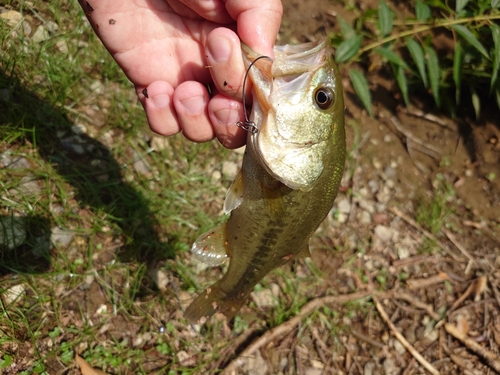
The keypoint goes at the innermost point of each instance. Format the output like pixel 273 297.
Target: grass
pixel 95 295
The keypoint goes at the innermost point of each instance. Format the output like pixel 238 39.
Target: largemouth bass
pixel 291 171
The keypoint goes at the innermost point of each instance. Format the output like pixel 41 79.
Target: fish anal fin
pixel 234 195
pixel 211 301
pixel 211 247
pixel 304 252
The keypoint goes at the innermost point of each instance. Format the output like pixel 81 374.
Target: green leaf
pixel 458 61
pixel 385 18
pixel 346 29
pixel 470 38
pixel 417 53
pixel 495 3
pixel 360 85
pixel 347 49
pixel 392 57
pixel 402 82
pixel 422 11
pixel 434 73
pixel 495 32
pixel 476 102
pixel 460 4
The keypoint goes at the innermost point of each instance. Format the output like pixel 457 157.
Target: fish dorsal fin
pixel 273 198
pixel 234 195
pixel 211 247
pixel 304 252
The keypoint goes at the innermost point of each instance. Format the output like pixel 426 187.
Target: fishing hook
pixel 248 125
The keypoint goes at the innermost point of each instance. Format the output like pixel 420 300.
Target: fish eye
pixel 324 97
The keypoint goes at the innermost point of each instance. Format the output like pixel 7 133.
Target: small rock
pixel 140 164
pixel 41 34
pixel 367 206
pixel 402 252
pixel 160 278
pixel 12 231
pixel 254 365
pixel 185 359
pixel 216 176
pixel 14 19
pixel 159 143
pixel 61 237
pixel 389 367
pixel 383 233
pixel 266 297
pixel 365 217
pixel 387 138
pixel 373 185
pixel 240 151
pixel 344 206
pixel 14 294
pixel 79 129
pixel 229 169
pixel 400 349
pixel 369 368
pixel 62 46
pixel 97 87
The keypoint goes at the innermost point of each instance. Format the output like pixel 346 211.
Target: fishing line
pixel 248 125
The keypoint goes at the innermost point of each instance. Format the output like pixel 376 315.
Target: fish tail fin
pixel 211 301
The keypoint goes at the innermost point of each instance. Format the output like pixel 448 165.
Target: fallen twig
pixel 462 249
pixel 418 304
pixel 426 282
pixel 402 340
pixel 491 359
pixel 288 325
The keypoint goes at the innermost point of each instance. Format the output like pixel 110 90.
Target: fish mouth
pixel 297 163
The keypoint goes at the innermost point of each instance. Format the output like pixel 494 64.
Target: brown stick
pixel 402 340
pixel 491 359
pixel 288 325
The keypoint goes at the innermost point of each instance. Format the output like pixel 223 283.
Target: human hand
pixel 175 48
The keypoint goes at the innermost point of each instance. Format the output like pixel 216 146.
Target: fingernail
pixel 220 49
pixel 194 105
pixel 227 116
pixel 161 100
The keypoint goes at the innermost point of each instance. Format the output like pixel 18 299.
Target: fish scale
pixel 289 177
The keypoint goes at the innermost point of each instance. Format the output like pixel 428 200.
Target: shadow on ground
pixel 89 167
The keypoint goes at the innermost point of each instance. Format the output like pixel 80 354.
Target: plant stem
pixel 437 23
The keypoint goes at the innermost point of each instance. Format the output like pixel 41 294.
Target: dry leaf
pixel 462 325
pixel 86 368
pixel 479 287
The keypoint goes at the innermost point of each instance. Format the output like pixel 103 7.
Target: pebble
pixel 14 294
pixel 344 206
pixel 14 18
pixel 229 169
pixel 369 368
pixel 266 297
pixel 12 231
pixel 79 129
pixel 389 368
pixel 61 237
pixel 367 206
pixel 62 46
pixel 140 164
pixel 313 371
pixel 373 185
pixel 254 365
pixel 160 278
pixel 402 252
pixel 383 233
pixel 41 34
pixel 365 217
pixel 400 349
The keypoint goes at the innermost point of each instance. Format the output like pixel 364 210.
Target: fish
pixel 289 178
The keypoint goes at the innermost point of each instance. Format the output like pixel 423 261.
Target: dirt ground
pixel 382 273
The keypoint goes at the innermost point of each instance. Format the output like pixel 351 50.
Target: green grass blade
pixel 422 11
pixel 385 17
pixel 360 85
pixel 393 57
pixel 460 4
pixel 495 3
pixel 347 49
pixel 458 60
pixel 476 101
pixel 417 53
pixel 434 73
pixel 402 82
pixel 471 39
pixel 495 32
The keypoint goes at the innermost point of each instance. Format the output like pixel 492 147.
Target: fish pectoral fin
pixel 234 195
pixel 211 247
pixel 274 202
pixel 304 252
